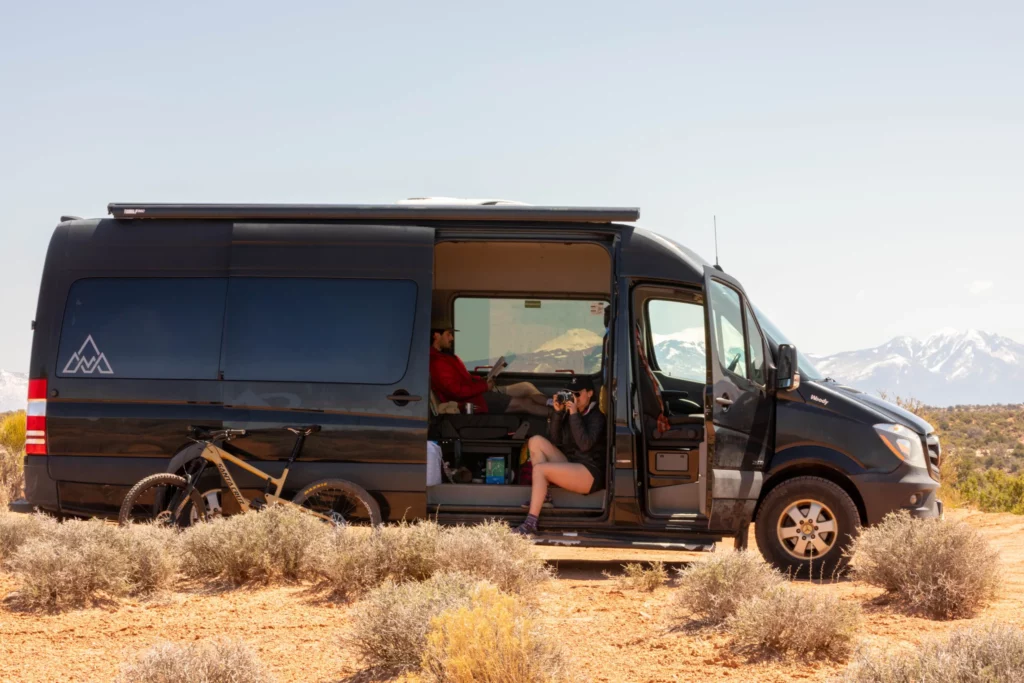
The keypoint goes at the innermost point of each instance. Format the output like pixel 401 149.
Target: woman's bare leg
pixel 542 450
pixel 570 476
pixel 528 406
pixel 522 390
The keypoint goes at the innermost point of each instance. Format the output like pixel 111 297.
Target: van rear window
pixel 534 335
pixel 318 330
pixel 142 328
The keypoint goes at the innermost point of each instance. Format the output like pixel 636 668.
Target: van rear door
pixel 738 401
pixel 330 325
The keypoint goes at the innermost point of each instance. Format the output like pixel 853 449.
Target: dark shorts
pixel 496 403
pixel 596 472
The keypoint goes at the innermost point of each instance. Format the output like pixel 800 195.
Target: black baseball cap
pixel 581 382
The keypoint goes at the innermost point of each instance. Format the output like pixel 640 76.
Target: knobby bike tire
pixel 350 503
pixel 181 517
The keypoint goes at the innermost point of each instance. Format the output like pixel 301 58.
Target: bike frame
pixel 219 457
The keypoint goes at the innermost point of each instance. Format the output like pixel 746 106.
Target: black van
pixel 258 316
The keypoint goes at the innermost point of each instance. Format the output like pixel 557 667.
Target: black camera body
pixel 564 396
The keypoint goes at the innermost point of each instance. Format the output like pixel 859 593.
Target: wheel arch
pixel 813 469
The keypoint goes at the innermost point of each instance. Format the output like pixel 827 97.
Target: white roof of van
pixel 460 201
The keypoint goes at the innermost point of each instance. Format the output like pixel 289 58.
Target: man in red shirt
pixel 451 381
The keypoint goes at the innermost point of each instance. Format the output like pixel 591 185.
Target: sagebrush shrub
pixel 220 660
pixel 493 639
pixel 938 568
pixel 638 577
pixel 16 529
pixel 491 551
pixel 354 560
pixel 12 456
pixel 78 563
pixel 712 590
pixel 389 626
pixel 790 621
pixel 977 654
pixel 255 547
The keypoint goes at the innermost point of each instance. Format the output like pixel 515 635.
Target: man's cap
pixel 442 323
pixel 581 382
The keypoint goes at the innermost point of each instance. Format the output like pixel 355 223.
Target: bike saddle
pixel 305 430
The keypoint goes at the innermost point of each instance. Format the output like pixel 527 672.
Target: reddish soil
pixel 612 634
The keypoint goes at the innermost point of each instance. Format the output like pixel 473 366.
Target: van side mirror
pixel 787 374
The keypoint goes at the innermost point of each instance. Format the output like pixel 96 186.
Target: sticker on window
pixel 597 308
pixel 532 303
pixel 88 359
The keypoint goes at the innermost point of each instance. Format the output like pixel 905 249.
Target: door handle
pixel 402 398
pixel 724 401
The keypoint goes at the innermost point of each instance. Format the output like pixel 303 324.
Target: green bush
pixel 12 431
pixel 977 654
pixel 994 491
pixel 12 456
pixel 939 568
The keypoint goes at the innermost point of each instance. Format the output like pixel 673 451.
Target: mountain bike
pixel 175 500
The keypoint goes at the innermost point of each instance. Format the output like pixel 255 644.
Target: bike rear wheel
pixel 163 499
pixel 341 501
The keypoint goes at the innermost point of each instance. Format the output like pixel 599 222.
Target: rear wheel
pixel 163 499
pixel 804 525
pixel 341 501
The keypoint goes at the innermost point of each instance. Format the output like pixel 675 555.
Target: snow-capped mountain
pixel 13 390
pixel 947 368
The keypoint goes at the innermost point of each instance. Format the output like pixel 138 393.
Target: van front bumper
pixel 906 488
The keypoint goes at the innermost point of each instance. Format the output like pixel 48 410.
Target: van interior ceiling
pixel 506 284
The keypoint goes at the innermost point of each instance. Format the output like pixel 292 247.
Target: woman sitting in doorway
pixel 574 455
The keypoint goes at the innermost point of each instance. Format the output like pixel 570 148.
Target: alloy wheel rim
pixel 807 529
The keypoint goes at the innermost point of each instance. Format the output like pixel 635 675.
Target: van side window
pixel 534 335
pixel 728 322
pixel 755 344
pixel 677 337
pixel 142 328
pixel 347 331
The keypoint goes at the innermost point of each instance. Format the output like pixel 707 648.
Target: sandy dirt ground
pixel 612 634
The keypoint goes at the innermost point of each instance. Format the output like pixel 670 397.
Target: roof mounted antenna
pixel 715 219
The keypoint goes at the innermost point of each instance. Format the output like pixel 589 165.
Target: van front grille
pixel 934 455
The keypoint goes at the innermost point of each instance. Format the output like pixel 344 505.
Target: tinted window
pixel 728 322
pixel 143 328
pixel 534 335
pixel 318 330
pixel 755 346
pixel 677 334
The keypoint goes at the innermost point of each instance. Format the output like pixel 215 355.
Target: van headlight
pixel 904 442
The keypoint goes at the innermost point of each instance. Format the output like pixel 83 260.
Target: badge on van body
pixel 88 359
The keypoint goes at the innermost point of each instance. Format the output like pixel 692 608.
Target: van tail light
pixel 35 418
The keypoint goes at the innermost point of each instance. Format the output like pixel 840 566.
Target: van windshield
pixel 777 338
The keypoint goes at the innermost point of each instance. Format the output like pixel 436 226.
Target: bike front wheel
pixel 164 499
pixel 342 502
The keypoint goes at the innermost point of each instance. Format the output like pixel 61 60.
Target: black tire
pixel 346 502
pixel 152 500
pixel 797 541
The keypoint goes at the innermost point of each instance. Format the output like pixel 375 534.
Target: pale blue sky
pixel 864 160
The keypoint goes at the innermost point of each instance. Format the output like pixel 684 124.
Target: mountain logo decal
pixel 88 360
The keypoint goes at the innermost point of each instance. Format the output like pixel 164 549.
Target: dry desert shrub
pixel 220 660
pixel 82 562
pixel 790 621
pixel 938 568
pixel 389 626
pixel 490 551
pixel 354 560
pixel 976 654
pixel 493 639
pixel 636 576
pixel 714 589
pixel 255 547
pixel 16 529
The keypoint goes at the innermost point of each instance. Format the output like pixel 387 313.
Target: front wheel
pixel 340 501
pixel 804 525
pixel 163 499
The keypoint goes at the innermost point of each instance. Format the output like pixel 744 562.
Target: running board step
pixel 584 540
